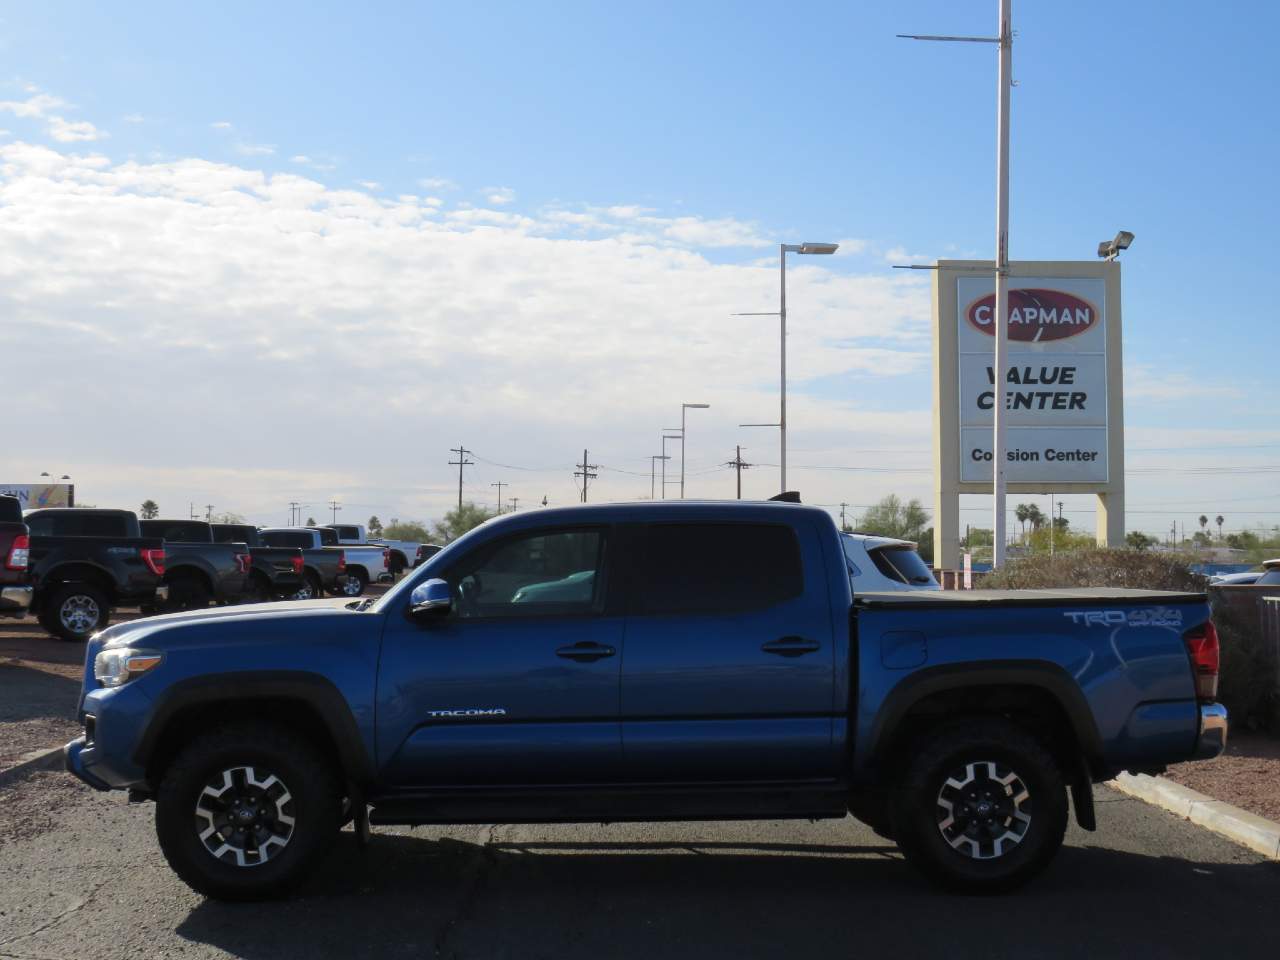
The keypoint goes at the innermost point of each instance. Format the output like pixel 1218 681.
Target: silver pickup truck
pixel 365 564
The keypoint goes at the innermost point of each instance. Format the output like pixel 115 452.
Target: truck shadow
pixel 407 896
pixel 27 693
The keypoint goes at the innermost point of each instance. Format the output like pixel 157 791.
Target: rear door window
pixel 718 568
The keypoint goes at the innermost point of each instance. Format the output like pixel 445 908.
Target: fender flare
pixel 312 689
pixel 1039 674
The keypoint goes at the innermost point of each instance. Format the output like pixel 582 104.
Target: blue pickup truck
pixel 655 661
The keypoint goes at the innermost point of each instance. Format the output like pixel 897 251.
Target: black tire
pixel 301 773
pixel 187 592
pixel 356 584
pixel 256 589
pixel 75 611
pixel 988 846
pixel 311 585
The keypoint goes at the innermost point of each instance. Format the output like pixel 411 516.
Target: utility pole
pixel 999 486
pixel 515 503
pixel 461 462
pixel 208 513
pixel 843 525
pixel 739 465
pixel 293 512
pixel 191 509
pixel 499 484
pixel 585 472
pixel 333 505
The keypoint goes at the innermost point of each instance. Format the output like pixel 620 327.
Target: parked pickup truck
pixel 15 546
pixel 401 554
pixel 196 567
pixel 364 565
pixel 84 562
pixel 655 661
pixel 324 569
pixel 276 573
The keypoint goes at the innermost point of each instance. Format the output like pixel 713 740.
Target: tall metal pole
pixel 683 410
pixel 1001 366
pixel 782 315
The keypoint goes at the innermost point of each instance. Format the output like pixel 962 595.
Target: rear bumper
pixel 1212 738
pixel 15 601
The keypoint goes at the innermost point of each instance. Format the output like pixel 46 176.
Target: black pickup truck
pixel 15 544
pixel 197 568
pixel 276 573
pixel 324 569
pixel 85 562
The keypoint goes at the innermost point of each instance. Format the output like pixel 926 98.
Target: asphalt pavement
pixel 81 876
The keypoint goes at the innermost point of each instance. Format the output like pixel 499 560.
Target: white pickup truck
pixel 366 563
pixel 404 555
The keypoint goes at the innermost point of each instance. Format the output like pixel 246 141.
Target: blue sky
pixel 751 122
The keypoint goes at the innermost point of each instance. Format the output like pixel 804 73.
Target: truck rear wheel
pixel 355 583
pixel 75 611
pixel 245 811
pixel 981 807
pixel 187 592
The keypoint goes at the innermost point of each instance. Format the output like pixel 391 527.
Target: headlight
pixel 114 668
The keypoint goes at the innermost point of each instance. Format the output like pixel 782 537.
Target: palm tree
pixel 1204 521
pixel 1022 513
pixel 1219 521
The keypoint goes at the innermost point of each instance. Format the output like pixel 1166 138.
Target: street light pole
pixel 664 458
pixel 683 408
pixel 653 462
pixel 783 250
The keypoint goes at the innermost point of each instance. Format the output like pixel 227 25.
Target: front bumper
pixel 1212 738
pixel 15 601
pixel 73 755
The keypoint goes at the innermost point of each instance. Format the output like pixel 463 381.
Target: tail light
pixel 297 564
pixel 19 553
pixel 1202 645
pixel 418 556
pixel 386 557
pixel 154 559
pixel 244 561
pixel 342 562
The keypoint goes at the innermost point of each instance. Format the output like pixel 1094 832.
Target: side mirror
pixel 431 598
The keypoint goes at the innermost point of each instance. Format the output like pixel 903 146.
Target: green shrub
pixel 1247 683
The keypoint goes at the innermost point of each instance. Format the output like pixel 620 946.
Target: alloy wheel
pixel 79 613
pixel 983 810
pixel 245 816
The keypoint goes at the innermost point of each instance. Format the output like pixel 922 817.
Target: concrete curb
pixel 48 758
pixel 1247 829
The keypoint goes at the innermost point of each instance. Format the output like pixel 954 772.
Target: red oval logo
pixel 1036 315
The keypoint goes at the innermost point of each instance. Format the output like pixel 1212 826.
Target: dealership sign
pixel 1055 381
pixel 33 495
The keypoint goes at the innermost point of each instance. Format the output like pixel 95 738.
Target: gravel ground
pixel 1246 775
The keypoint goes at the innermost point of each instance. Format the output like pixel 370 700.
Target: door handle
pixel 790 646
pixel 586 651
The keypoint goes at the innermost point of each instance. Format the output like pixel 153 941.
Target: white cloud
pixel 134 118
pixel 40 106
pixel 498 195
pixel 300 158
pixel 370 184
pixel 437 183
pixel 513 332
pixel 221 124
pixel 255 149
pixel 73 131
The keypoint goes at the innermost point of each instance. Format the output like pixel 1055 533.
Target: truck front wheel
pixel 245 811
pixel 981 807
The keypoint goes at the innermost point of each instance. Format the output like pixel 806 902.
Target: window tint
pixel 177 531
pixel 287 538
pixel 233 533
pixel 10 510
pixel 327 537
pixel 76 524
pixel 535 574
pixel 903 565
pixel 718 568
pixel 348 533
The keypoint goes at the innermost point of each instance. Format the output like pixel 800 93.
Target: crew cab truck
pixel 85 562
pixel 275 573
pixel 323 569
pixel 197 568
pixel 655 661
pixel 15 548
pixel 363 565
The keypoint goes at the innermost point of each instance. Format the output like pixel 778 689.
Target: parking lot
pixel 81 875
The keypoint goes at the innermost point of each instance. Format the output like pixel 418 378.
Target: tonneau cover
pixel 1072 596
